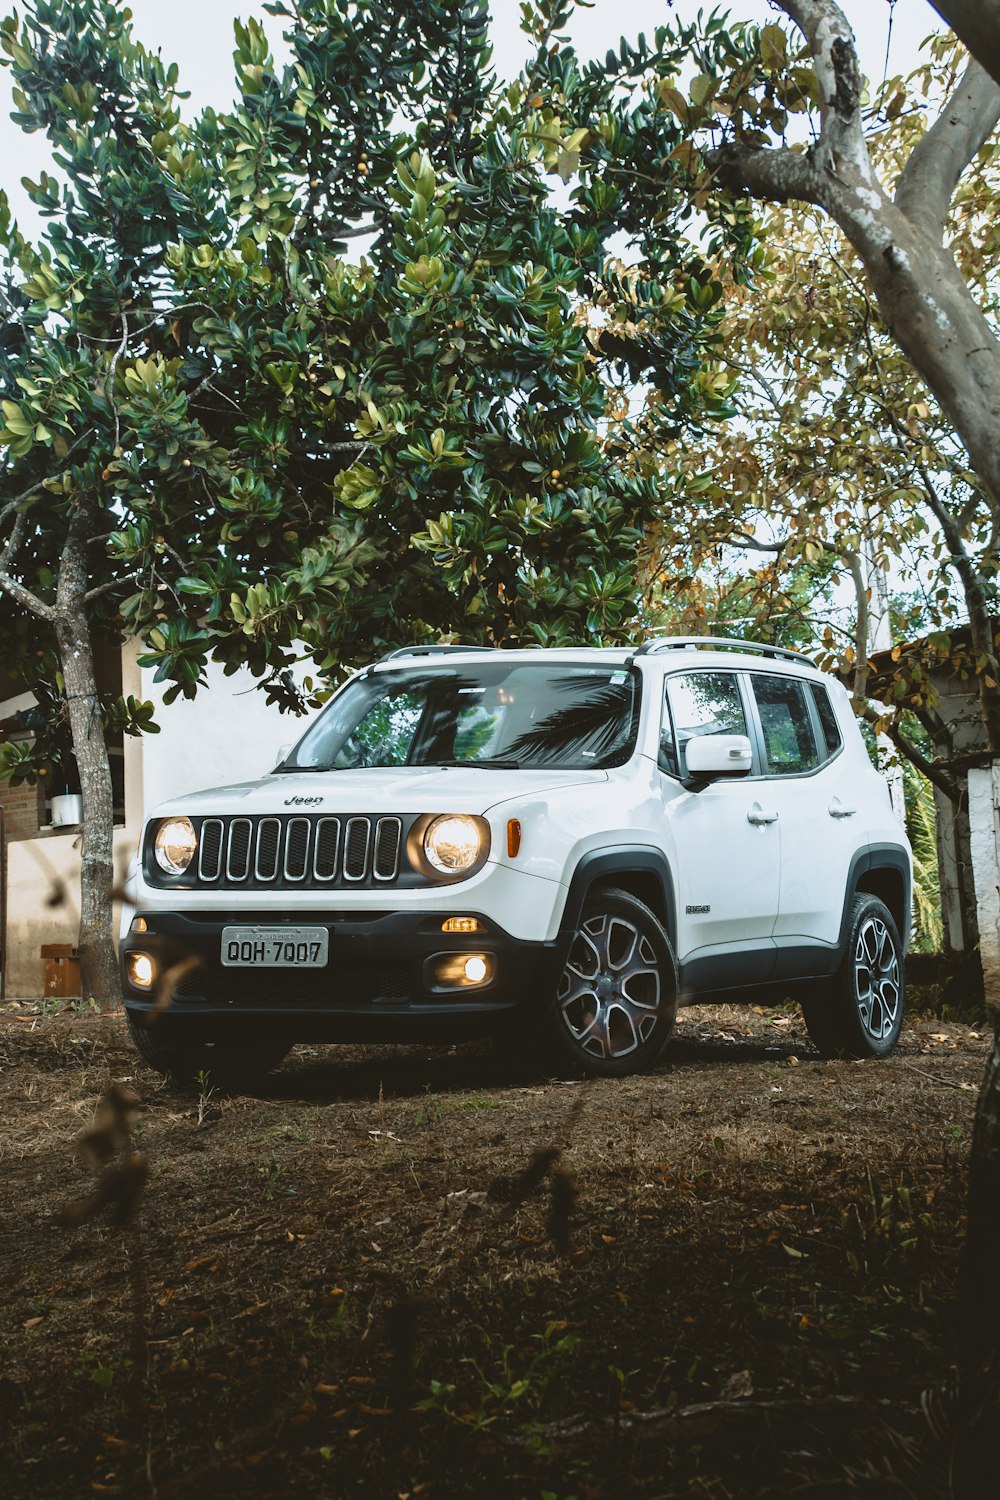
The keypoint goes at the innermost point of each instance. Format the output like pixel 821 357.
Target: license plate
pixel 275 947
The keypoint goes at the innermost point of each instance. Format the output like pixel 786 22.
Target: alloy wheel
pixel 877 985
pixel 609 993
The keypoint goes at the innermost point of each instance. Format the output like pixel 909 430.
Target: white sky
pixel 198 36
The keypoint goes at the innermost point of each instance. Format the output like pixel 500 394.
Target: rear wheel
pixel 616 999
pixel 198 1063
pixel 860 1013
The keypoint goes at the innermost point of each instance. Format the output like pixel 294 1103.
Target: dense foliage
pixel 228 436
pixel 275 440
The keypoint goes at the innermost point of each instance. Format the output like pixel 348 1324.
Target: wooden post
pixel 973 1457
pixel 984 836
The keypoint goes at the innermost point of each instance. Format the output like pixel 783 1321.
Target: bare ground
pixel 429 1272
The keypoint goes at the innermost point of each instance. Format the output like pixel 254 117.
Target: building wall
pixel 226 734
pixel 20 810
pixel 38 870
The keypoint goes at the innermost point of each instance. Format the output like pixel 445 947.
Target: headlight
pixel 175 845
pixel 453 844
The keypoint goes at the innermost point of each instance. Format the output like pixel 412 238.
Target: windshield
pixel 501 714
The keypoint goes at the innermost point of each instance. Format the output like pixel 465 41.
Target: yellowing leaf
pixel 773 48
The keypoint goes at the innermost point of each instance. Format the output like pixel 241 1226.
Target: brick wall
pixel 21 808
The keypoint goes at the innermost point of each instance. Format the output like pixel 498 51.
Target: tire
pixel 860 1013
pixel 199 1063
pixel 616 999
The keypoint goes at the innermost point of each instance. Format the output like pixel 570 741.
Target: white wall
pixel 36 868
pixel 227 733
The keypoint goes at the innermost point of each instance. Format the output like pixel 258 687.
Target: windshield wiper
pixel 284 770
pixel 497 764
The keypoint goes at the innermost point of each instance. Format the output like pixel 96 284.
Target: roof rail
pixel 427 651
pixel 721 643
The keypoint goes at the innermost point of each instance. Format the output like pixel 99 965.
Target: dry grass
pixel 413 1271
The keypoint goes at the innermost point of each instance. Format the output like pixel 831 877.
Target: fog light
pixel 140 970
pixel 459 971
pixel 462 924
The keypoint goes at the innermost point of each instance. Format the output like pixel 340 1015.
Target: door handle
pixel 838 809
pixel 759 816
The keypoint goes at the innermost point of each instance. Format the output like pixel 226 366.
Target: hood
pixel 391 789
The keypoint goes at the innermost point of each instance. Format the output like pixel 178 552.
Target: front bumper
pixel 378 985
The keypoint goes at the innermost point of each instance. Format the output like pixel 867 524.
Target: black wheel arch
pixel 881 870
pixel 638 869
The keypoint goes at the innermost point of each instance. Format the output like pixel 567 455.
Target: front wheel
pixel 860 1013
pixel 616 999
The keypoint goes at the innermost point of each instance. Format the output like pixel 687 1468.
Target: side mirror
pixel 710 757
pixel 282 756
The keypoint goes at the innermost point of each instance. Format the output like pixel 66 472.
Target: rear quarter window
pixel 832 737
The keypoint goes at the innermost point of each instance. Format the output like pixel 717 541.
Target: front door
pixel 725 841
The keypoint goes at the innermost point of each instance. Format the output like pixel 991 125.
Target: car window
pixel 384 735
pixel 697 703
pixel 565 715
pixel 827 719
pixel 789 741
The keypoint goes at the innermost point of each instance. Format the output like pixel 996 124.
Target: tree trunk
pixel 931 314
pixel 98 962
pixel 974 1462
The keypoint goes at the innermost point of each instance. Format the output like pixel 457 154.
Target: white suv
pixel 559 844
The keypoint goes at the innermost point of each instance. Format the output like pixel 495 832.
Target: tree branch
pixel 66 582
pixel 13 543
pixel 838 161
pixel 744 539
pixel 354 231
pixel 778 172
pixel 122 347
pixel 841 146
pixel 106 588
pixel 977 24
pixel 934 773
pixel 11 586
pixel 26 598
pixel 11 505
pixel 939 158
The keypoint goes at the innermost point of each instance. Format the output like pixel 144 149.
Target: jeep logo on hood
pixel 303 801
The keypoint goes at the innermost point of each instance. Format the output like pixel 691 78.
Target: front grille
pixel 298 851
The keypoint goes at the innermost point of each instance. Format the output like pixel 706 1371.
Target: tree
pixel 225 436
pixel 838 460
pixel 737 114
pixel 977 23
pixel 893 213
